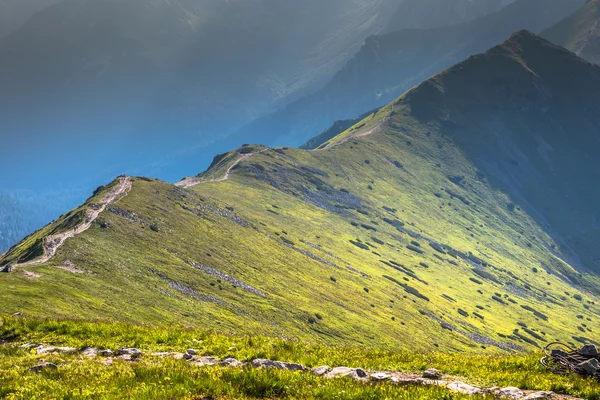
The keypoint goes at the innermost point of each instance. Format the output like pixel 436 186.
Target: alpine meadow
pixel 435 246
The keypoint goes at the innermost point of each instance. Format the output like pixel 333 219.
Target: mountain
pixel 460 216
pixel 579 32
pixel 388 65
pixel 429 14
pixel 14 13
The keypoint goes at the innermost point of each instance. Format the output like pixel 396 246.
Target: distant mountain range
pixel 388 65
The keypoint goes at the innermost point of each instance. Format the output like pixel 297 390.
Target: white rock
pixel 262 363
pixel 206 361
pixel 432 373
pixel 320 371
pixel 539 396
pixel 130 351
pixel 231 362
pixel 511 393
pixel 355 373
pixel 460 387
pixel 90 352
pixel 380 377
pixel 52 349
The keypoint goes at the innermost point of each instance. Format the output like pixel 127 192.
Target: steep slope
pixel 388 65
pixel 448 219
pixel 429 14
pixel 579 32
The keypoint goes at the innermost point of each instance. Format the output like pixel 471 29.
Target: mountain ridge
pixel 394 234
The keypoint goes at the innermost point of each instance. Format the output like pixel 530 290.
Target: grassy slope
pixel 263 227
pixel 166 379
pixel 580 32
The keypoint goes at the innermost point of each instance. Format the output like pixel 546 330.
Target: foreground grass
pixel 168 379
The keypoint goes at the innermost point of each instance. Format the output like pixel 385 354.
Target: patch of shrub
pixel 360 245
pixel 415 249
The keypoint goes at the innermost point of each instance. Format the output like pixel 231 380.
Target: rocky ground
pixel 430 377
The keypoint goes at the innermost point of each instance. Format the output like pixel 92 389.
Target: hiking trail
pixel 53 242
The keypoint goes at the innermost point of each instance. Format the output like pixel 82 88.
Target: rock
pixel 320 371
pixel 29 346
pixel 460 387
pixel 589 350
pixel 90 352
pixel 105 353
pixel 52 349
pixel 186 356
pixel 380 377
pixel 405 381
pixel 206 361
pixel 126 357
pixel 132 352
pixel 432 373
pixel 192 352
pixel 261 363
pixel 539 396
pixel 354 373
pixel 559 353
pixel 43 366
pixel 590 366
pixel 18 313
pixel 108 362
pixel 231 362
pixel 511 393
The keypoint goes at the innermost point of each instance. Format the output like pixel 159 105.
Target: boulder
pixel 105 353
pixel 231 362
pixel 460 387
pixel 262 363
pixel 53 349
pixel 43 366
pixel 539 396
pixel 90 352
pixel 192 352
pixel 590 366
pixel 511 393
pixel 130 351
pixel 320 371
pixel 380 377
pixel 355 373
pixel 206 361
pixel 432 373
pixel 589 350
pixel 559 353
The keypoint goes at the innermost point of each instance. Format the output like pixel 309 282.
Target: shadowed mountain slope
pixel 458 217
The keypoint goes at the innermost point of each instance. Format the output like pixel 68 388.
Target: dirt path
pixel 584 43
pixel 53 242
pixel 362 134
pixel 193 181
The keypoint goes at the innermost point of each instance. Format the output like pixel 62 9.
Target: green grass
pixel 165 378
